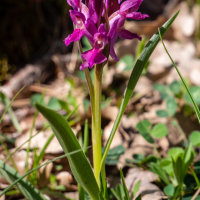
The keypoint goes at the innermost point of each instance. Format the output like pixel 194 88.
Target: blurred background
pixel 34 29
pixel 33 54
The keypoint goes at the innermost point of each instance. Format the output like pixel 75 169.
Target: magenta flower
pixel 100 40
pixel 127 10
pixel 82 20
pixel 90 20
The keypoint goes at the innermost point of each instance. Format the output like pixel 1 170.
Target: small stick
pixel 196 194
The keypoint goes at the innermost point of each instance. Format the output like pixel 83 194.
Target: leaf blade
pixel 136 72
pixel 79 164
pixel 25 187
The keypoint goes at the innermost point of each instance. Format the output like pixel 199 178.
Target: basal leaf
pixel 178 170
pixel 135 189
pixel 126 193
pixel 24 186
pixel 79 164
pixel 160 172
pixel 136 73
pixel 175 153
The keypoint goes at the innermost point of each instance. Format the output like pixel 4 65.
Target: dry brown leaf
pixel 117 140
pixel 195 72
pixel 125 47
pixel 184 25
pixel 138 146
pixel 128 122
pixel 20 161
pixel 3 197
pixel 155 196
pixel 152 116
pixel 72 195
pixel 146 177
pixel 40 140
pixel 65 178
pixel 110 112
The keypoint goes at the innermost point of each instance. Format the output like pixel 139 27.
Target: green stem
pixel 96 124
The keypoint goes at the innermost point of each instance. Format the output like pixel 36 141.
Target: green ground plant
pixel 94 182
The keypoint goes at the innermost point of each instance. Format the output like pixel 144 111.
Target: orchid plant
pixel 102 22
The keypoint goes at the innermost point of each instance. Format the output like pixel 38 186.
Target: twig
pixel 196 194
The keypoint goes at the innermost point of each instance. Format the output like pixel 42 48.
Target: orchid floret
pixel 90 20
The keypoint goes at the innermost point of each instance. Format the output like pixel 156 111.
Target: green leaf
pixel 147 137
pixel 166 164
pixel 178 170
pixel 13 117
pixel 195 92
pixel 150 159
pixel 171 106
pixel 79 164
pixel 195 177
pixel 135 189
pixel 159 131
pixel 128 61
pixel 24 186
pixel 160 88
pixel 188 91
pixel 162 113
pixel 136 72
pixel 144 130
pixel 160 172
pixel 169 190
pixel 54 104
pixel 64 105
pixel 32 170
pixel 113 155
pixel 10 104
pixel 188 156
pixel 117 195
pixel 175 87
pixel 175 153
pixel 37 98
pixel 143 126
pixel 119 150
pixel 126 193
pixel 195 138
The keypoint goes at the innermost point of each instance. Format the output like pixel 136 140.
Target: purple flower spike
pixel 91 19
